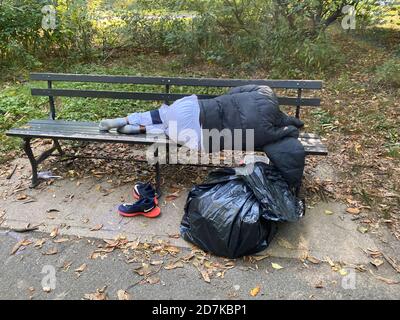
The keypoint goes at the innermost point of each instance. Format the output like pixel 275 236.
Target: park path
pixel 326 246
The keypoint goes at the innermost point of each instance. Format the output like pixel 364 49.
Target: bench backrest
pixel 298 101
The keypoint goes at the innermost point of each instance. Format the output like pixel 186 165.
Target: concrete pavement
pixel 85 207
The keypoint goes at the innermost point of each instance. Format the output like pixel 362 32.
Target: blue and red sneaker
pixel 144 206
pixel 144 190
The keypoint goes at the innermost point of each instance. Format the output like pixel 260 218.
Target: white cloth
pixel 180 122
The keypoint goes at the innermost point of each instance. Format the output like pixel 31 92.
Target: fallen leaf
pixel 22 197
pixel 61 240
pixel 343 272
pixel 313 259
pixel 205 275
pixel 172 250
pixel 353 210
pixel 123 295
pixel 386 280
pixel 172 196
pixel 329 260
pixel 255 291
pixel 81 268
pixel 393 263
pixel 174 265
pixel 328 212
pixel 144 270
pixel 67 265
pixel 39 243
pixel 98 295
pixel 377 262
pixel 51 252
pixel 96 227
pixel 276 266
pixel 362 229
pixel 153 279
pixel 374 253
pixel 19 244
pixel 260 257
pixel 156 262
pixel 54 233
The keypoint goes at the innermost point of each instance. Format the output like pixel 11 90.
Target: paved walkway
pixel 87 209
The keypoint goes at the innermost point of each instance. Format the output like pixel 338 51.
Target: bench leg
pixel 58 147
pixel 32 160
pixel 158 180
pixel 158 176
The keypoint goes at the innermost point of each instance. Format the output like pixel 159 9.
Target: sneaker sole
pixel 151 214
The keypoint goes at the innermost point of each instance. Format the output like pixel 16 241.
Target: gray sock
pixel 129 129
pixel 108 124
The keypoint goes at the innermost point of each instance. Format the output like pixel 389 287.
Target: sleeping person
pixel 246 107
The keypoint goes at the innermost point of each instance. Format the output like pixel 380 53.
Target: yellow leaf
pixel 343 272
pixel 255 291
pixel 328 212
pixel 276 266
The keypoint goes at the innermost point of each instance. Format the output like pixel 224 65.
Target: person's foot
pixel 130 129
pixel 145 207
pixel 108 124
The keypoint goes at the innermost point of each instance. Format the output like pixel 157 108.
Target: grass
pixel 17 106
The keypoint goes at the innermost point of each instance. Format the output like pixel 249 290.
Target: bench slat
pixel 88 131
pixel 84 125
pixel 153 96
pixel 204 82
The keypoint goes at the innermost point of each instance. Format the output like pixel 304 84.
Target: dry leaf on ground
pixel 61 240
pixel 383 279
pixel 255 291
pixel 153 279
pixel 39 243
pixel 172 196
pixel 123 295
pixel 174 265
pixel 81 268
pixel 377 262
pixel 96 227
pixel 54 233
pixel 51 252
pixel 100 294
pixel 19 244
pixel 312 259
pixel 353 210
pixel 276 266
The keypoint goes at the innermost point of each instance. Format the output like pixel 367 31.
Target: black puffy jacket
pixel 256 107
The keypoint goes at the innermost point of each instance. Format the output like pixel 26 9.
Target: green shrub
pixel 389 73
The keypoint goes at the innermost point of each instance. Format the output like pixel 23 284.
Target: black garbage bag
pixel 234 212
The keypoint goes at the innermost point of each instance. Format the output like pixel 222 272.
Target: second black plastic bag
pixel 234 212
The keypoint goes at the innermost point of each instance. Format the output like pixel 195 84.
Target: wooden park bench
pixel 56 129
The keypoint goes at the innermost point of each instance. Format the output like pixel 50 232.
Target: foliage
pixel 389 73
pixel 286 38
